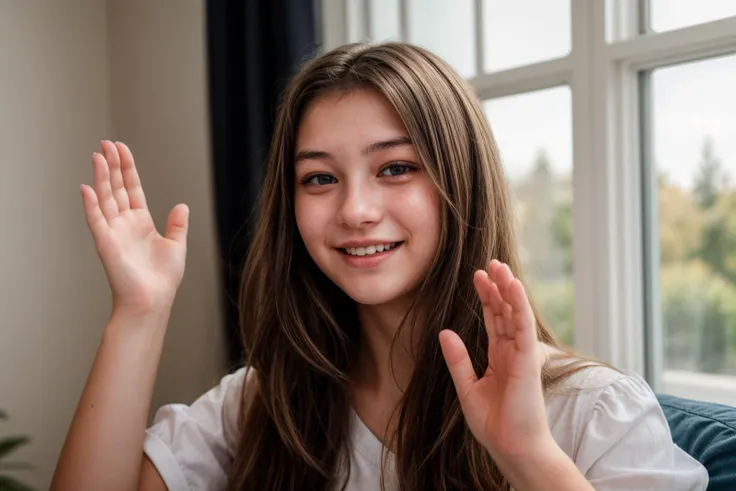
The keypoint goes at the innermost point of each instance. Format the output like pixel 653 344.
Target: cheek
pixel 311 219
pixel 419 210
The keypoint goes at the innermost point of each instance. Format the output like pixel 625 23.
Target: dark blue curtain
pixel 254 47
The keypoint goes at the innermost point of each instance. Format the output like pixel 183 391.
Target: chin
pixel 370 293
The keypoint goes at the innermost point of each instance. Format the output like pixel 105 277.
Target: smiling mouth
pixel 370 250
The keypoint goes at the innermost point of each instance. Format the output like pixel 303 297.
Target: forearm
pixel 551 469
pixel 104 446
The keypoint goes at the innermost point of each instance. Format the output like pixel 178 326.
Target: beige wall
pixel 71 74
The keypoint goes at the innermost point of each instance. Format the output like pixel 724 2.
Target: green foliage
pixel 562 233
pixel 7 446
pixel 698 318
pixel 697 233
pixel 697 239
pixel 708 177
pixel 554 299
pixel 7 483
pixel 11 443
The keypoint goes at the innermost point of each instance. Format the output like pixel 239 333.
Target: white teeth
pixel 371 249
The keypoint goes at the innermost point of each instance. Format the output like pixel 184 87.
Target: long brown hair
pixel 301 332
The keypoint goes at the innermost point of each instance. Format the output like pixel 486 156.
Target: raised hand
pixel 505 407
pixel 143 267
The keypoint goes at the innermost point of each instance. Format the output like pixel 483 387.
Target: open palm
pixel 505 407
pixel 143 267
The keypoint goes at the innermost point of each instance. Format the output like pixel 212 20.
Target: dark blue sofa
pixel 707 432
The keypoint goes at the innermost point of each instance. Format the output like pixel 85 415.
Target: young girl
pixel 389 339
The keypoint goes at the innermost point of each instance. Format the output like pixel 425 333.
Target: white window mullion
pixel 526 78
pixel 681 45
pixel 585 269
pixel 356 21
pixel 367 20
pixel 606 210
pixel 404 33
pixel 479 39
pixel 653 333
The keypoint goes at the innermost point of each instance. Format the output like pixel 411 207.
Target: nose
pixel 361 206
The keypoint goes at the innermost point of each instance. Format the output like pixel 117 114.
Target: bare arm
pixel 150 478
pixel 105 442
pixel 104 446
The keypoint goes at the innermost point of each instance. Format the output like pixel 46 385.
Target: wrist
pixel 141 310
pixel 541 452
pixel 547 467
pixel 134 320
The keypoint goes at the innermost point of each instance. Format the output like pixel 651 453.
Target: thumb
pixel 178 224
pixel 458 362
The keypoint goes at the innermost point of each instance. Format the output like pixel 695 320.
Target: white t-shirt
pixel 614 430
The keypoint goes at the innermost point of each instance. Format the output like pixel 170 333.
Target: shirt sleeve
pixel 627 444
pixel 192 446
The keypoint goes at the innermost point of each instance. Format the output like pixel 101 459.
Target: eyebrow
pixel 373 147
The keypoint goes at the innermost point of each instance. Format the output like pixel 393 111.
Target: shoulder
pixel 610 423
pixel 595 389
pixel 192 445
pixel 572 402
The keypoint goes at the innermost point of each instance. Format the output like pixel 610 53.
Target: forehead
pixel 356 117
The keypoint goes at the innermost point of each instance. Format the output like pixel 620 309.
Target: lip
pixel 370 261
pixel 365 243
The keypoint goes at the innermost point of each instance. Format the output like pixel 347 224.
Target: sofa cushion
pixel 707 432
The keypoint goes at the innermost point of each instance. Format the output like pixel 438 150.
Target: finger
pixel 496 302
pixel 116 176
pixel 502 276
pixel 483 286
pixel 508 321
pixel 458 362
pixel 482 283
pixel 106 201
pixel 130 177
pixel 497 309
pixel 178 224
pixel 494 297
pixel 524 321
pixel 95 219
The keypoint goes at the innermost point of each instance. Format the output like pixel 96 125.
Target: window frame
pixel 616 303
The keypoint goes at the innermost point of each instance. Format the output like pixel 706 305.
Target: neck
pixel 378 367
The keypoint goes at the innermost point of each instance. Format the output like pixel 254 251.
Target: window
pixel 627 106
pixel 694 163
pixel 534 134
pixel 385 20
pixel 536 30
pixel 447 29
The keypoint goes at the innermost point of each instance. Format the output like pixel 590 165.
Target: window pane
pixel 666 15
pixel 385 23
pixel 447 29
pixel 524 31
pixel 694 153
pixel 534 135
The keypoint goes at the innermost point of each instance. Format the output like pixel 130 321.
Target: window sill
pixel 700 386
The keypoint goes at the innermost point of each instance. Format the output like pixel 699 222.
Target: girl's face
pixel 365 208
